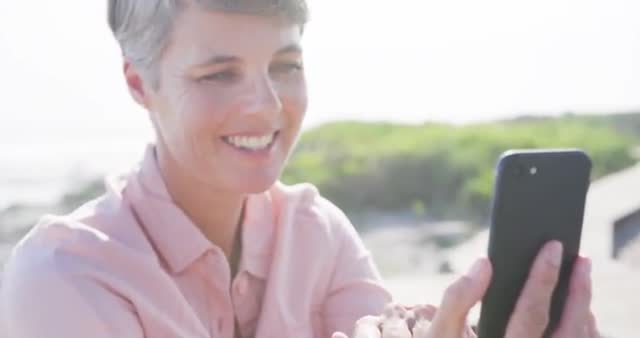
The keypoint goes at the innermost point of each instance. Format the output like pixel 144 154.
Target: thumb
pixel 459 298
pixel 339 335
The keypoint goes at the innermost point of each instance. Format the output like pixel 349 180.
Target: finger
pixel 394 323
pixel 576 313
pixel 339 335
pixel 393 310
pixel 531 314
pixel 459 298
pixel 425 312
pixel 420 312
pixel 367 327
pixel 422 316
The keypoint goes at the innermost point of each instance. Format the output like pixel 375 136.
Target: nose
pixel 262 98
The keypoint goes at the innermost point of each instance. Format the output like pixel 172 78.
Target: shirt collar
pixel 177 240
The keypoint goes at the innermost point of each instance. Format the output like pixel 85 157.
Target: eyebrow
pixel 221 59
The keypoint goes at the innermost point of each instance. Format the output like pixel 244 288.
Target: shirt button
pixel 242 286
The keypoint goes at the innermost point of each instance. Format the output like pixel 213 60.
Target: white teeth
pixel 251 142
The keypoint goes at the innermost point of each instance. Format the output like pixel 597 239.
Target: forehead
pixel 200 33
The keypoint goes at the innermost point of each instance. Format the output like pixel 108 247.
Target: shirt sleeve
pixel 356 288
pixel 41 298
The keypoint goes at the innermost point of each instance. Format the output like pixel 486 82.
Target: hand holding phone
pixel 539 197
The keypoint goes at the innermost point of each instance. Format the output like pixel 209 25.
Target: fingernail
pixel 476 269
pixel 554 254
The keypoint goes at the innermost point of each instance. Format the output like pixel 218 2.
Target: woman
pixel 201 240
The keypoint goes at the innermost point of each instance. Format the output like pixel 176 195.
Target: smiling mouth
pixel 251 143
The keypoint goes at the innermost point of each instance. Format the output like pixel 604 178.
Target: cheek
pixel 294 104
pixel 202 112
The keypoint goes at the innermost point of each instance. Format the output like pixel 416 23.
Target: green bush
pixel 441 170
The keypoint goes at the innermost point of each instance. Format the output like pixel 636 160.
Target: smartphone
pixel 539 195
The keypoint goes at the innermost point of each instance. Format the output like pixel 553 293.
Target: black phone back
pixel 539 196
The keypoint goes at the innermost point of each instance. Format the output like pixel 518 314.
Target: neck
pixel 216 213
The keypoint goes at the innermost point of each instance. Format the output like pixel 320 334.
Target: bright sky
pixel 400 60
pixel 65 111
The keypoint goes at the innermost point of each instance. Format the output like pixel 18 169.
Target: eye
pixel 287 67
pixel 222 76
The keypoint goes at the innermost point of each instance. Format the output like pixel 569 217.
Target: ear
pixel 136 85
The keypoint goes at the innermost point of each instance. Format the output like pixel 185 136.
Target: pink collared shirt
pixel 131 264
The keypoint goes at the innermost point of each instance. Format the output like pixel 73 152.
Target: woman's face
pixel 231 98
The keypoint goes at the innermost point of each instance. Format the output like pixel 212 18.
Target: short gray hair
pixel 142 27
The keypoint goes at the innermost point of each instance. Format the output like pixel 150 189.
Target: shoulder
pixel 106 222
pixel 94 237
pixel 64 263
pixel 47 260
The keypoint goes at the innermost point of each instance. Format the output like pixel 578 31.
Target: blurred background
pixel 415 99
